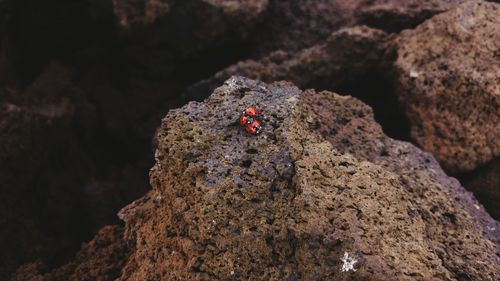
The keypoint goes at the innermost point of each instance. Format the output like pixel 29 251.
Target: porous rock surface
pixel 393 15
pixel 447 75
pixel 132 12
pixel 289 203
pixel 484 182
pixel 41 168
pixel 294 25
pixel 100 259
pixel 177 29
pixel 345 55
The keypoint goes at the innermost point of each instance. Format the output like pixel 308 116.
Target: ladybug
pixel 251 111
pixel 251 120
pixel 245 120
pixel 253 128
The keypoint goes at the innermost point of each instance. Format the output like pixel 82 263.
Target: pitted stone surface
pixel 287 204
pixel 447 74
pixel 344 56
pixel 99 259
pixel 393 15
pixel 448 210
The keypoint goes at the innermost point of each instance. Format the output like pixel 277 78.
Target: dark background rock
pixel 394 16
pixel 81 98
pixel 485 183
pixel 100 259
pixel 447 75
pixel 84 84
pixel 347 56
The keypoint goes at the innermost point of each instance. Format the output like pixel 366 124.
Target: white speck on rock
pixel 232 272
pixel 477 207
pixel 413 74
pixel 348 262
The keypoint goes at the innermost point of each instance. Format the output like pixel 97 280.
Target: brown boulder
pixel 100 259
pixel 294 25
pixel 485 183
pixel 447 73
pixel 42 166
pixel 394 15
pixel 347 54
pixel 290 204
pixel 159 33
pixel 130 13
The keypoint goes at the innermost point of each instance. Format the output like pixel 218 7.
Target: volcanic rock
pixel 320 184
pixel 393 15
pixel 131 13
pixel 447 73
pixel 159 33
pixel 100 259
pixel 485 183
pixel 346 55
pixel 41 168
pixel 294 25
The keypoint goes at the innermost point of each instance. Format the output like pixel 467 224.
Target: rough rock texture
pixel 171 30
pixel 287 204
pixel 132 12
pixel 41 168
pixel 294 25
pixel 346 55
pixel 100 259
pixel 79 103
pixel 84 83
pixel 447 74
pixel 394 15
pixel 485 183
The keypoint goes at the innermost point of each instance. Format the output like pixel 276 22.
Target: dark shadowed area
pixel 385 103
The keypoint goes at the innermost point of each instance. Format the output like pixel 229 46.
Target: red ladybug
pixel 251 120
pixel 245 119
pixel 253 128
pixel 251 111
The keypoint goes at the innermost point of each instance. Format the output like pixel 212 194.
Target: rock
pixel 393 15
pixel 41 167
pixel 321 189
pixel 133 12
pixel 100 259
pixel 446 73
pixel 102 199
pixel 295 25
pixel 484 182
pixel 162 33
pixel 130 13
pixel 34 34
pixel 345 62
pixel 346 55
